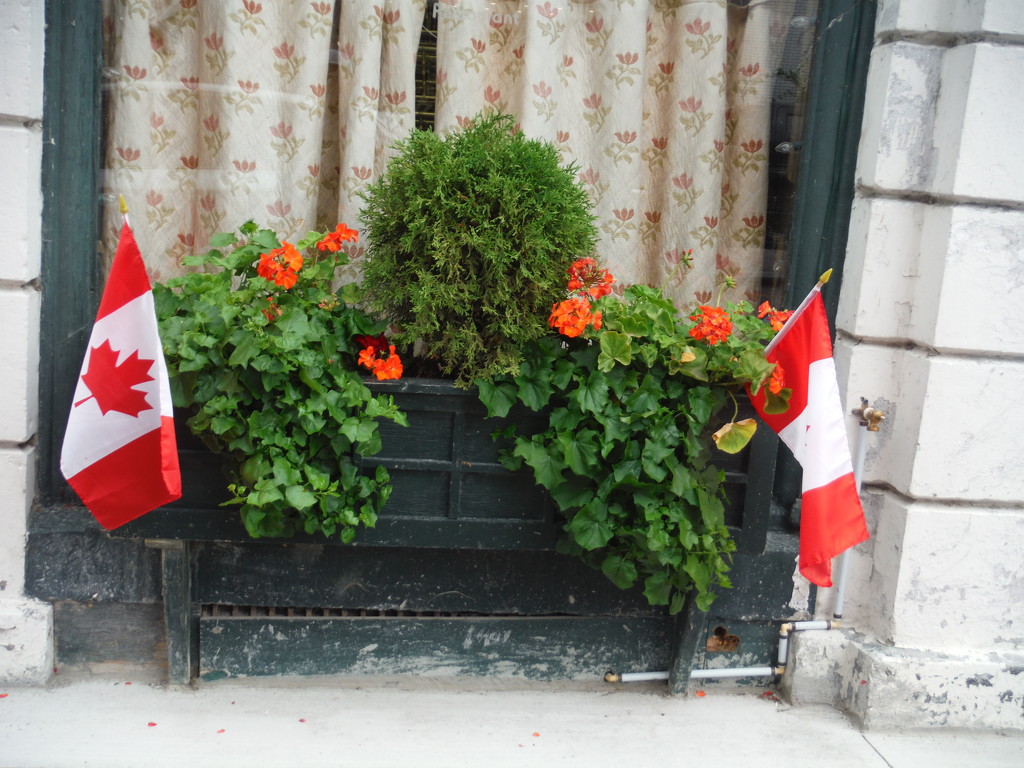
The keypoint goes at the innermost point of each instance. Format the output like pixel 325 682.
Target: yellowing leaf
pixel 734 436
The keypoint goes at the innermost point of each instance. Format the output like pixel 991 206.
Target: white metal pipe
pixel 700 674
pixel 637 677
pixel 800 626
pixel 844 558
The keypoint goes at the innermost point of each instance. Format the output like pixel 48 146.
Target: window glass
pixel 682 120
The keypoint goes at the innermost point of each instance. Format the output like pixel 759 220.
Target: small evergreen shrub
pixel 469 237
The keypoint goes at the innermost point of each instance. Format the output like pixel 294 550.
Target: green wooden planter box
pixel 449 489
pixel 463 549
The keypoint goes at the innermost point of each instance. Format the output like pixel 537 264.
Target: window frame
pixel 72 167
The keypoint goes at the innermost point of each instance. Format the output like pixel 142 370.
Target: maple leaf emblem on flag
pixel 113 385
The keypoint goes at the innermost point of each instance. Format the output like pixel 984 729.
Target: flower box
pixel 449 489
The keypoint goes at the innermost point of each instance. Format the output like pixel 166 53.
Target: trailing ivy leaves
pixel 269 377
pixel 627 452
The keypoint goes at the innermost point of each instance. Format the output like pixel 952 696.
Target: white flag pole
pixel 798 311
pixel 122 205
pixel 869 420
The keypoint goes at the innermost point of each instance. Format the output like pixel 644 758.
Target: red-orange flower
pixel 713 324
pixel 572 316
pixel 332 240
pixel 384 365
pixel 586 276
pixel 281 265
pixel 776 317
pixel 778 380
pixel 273 311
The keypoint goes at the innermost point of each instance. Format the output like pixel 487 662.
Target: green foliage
pixel 469 238
pixel 627 454
pixel 269 376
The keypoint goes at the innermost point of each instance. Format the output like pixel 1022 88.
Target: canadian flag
pixel 119 452
pixel 831 516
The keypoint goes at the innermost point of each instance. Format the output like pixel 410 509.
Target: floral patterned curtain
pixel 221 111
pixel 217 114
pixel 377 72
pixel 663 106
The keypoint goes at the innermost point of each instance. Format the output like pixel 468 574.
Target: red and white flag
pixel 119 452
pixel 831 516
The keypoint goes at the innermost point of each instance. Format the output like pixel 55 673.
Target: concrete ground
pixel 423 723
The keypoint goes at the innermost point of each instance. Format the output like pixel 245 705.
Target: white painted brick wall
pixel 17 478
pixel 20 202
pixel 19 361
pixel 964 587
pixel 21 72
pixel 932 333
pixel 909 17
pixel 26 631
pixel 913 269
pixel 936 118
pixel 977 157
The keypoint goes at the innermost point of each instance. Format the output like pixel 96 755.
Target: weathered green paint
pixel 534 648
pixel 758 644
pixel 181 613
pixel 285 573
pixel 828 161
pixel 92 635
pixel 70 184
pixel 452 580
pixel 687 633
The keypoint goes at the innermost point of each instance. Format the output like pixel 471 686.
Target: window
pixel 627 117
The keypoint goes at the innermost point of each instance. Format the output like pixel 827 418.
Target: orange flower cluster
pixel 587 282
pixel 380 357
pixel 273 311
pixel 572 316
pixel 776 317
pixel 713 324
pixel 778 380
pixel 332 240
pixel 281 265
pixel 586 277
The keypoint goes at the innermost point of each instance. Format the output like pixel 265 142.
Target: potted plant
pixel 262 354
pixel 480 263
pixel 469 237
pixel 635 393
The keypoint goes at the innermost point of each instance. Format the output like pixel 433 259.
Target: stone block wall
pixel 930 330
pixel 26 654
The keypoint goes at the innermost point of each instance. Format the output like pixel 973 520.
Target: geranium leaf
pixel 590 527
pixel 546 470
pixel 497 397
pixel 621 572
pixel 777 403
pixel 734 436
pixel 615 348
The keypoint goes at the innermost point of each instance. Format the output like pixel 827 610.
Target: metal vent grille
pixel 220 611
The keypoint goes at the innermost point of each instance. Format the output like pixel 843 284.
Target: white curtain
pixel 225 110
pixel 663 106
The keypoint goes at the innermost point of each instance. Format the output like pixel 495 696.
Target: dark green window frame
pixel 71 206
